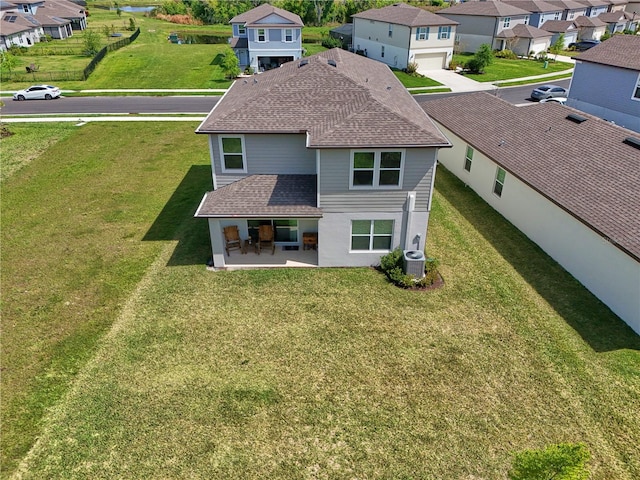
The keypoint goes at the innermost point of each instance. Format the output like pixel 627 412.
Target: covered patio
pixel 280 258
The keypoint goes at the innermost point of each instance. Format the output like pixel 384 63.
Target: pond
pixel 134 9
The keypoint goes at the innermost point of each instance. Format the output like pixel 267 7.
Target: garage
pixel 430 61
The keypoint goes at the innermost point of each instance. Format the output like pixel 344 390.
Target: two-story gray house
pixel 400 34
pixel 331 145
pixel 614 62
pixel 265 37
pixel 498 24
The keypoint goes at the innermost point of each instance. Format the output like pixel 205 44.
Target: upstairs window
pixel 444 33
pixel 288 35
pixel 636 93
pixel 382 52
pixel 232 154
pixel 498 185
pixel 390 30
pixel 242 30
pixel 556 15
pixel 506 21
pixel 261 34
pixel 468 158
pixel 422 33
pixel 376 169
pixel 526 20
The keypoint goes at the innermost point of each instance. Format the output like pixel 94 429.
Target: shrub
pixel 412 68
pixel 331 42
pixel 482 58
pixel 392 265
pixel 229 64
pixel 564 461
pixel 506 53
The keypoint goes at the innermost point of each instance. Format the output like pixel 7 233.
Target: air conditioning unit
pixel 414 261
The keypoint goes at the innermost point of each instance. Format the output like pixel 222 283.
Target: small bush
pixel 506 53
pixel 392 266
pixel 564 461
pixel 412 68
pixel 331 42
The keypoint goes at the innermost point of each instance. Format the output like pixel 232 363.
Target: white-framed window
pixel 287 35
pixel 25 8
pixel 382 51
pixel 444 33
pixel 422 33
pixel 526 20
pixel 636 92
pixel 242 30
pixel 390 30
pixel 232 153
pixel 376 169
pixel 371 235
pixel 570 15
pixel 498 185
pixel 468 158
pixel 506 21
pixel 556 15
pixel 261 35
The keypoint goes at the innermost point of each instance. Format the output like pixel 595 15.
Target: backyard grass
pixel 504 69
pixel 307 373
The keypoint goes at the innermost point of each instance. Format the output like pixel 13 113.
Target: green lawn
pixel 130 360
pixel 410 81
pixel 503 69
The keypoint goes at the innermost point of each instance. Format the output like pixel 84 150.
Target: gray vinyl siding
pixel 268 155
pixel 335 195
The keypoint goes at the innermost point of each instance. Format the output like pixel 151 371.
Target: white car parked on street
pixel 37 92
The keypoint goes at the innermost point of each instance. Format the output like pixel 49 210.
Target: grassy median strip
pixel 326 373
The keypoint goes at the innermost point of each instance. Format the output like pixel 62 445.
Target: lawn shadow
pixel 602 329
pixel 176 222
pixel 217 60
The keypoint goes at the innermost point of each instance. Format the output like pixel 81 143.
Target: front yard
pixel 505 69
pixel 130 360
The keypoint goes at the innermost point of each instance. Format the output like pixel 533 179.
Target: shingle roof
pixel 617 17
pixel 593 3
pixel 534 5
pixel 523 31
pixel 567 4
pixel 618 51
pixel 557 26
pixel 403 14
pixel 583 21
pixel 263 196
pixel 584 168
pixel 358 102
pixel 239 42
pixel 251 17
pixel 20 23
pixel 484 9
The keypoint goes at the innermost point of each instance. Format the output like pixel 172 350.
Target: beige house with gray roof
pixel 568 180
pixel 331 145
pixel 400 34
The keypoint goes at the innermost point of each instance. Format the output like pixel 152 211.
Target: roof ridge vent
pixel 633 141
pixel 574 117
pixel 332 62
pixel 303 63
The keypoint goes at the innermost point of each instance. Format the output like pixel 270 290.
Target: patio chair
pixel 232 238
pixel 265 238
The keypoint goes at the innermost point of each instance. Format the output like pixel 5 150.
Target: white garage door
pixel 430 61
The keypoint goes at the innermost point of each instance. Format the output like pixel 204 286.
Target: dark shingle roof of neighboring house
pixel 583 21
pixel 618 51
pixel 585 168
pixel 558 26
pixel 567 4
pixel 403 14
pixel 534 6
pixel 62 8
pixel 253 16
pixel 51 21
pixel 346 29
pixel 270 196
pixel 617 17
pixel 593 3
pixel 17 22
pixel 523 31
pixel 339 99
pixel 239 42
pixel 484 9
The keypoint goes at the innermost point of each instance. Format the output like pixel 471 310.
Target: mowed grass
pixel 77 206
pixel 320 373
pixel 504 69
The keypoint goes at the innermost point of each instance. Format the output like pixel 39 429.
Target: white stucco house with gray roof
pixel 331 145
pixel 568 180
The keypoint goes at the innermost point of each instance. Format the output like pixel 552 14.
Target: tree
pixel 557 46
pixel 8 61
pixel 481 59
pixel 230 64
pixel 91 43
pixel 563 461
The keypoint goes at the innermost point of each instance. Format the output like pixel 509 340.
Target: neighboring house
pixel 570 8
pixel 266 37
pixel 400 34
pixel 590 28
pixel 332 144
pixel 595 7
pixel 344 33
pixel 633 6
pixel 569 181
pixel 617 5
pixel 67 10
pixel 606 81
pixel 540 11
pixel 494 23
pixel 618 22
pixel 19 29
pixel 567 28
pixel 56 27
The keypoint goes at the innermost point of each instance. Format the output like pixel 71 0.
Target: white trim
pixel 636 89
pixel 266 35
pixel 284 35
pixel 377 155
pixel 223 169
